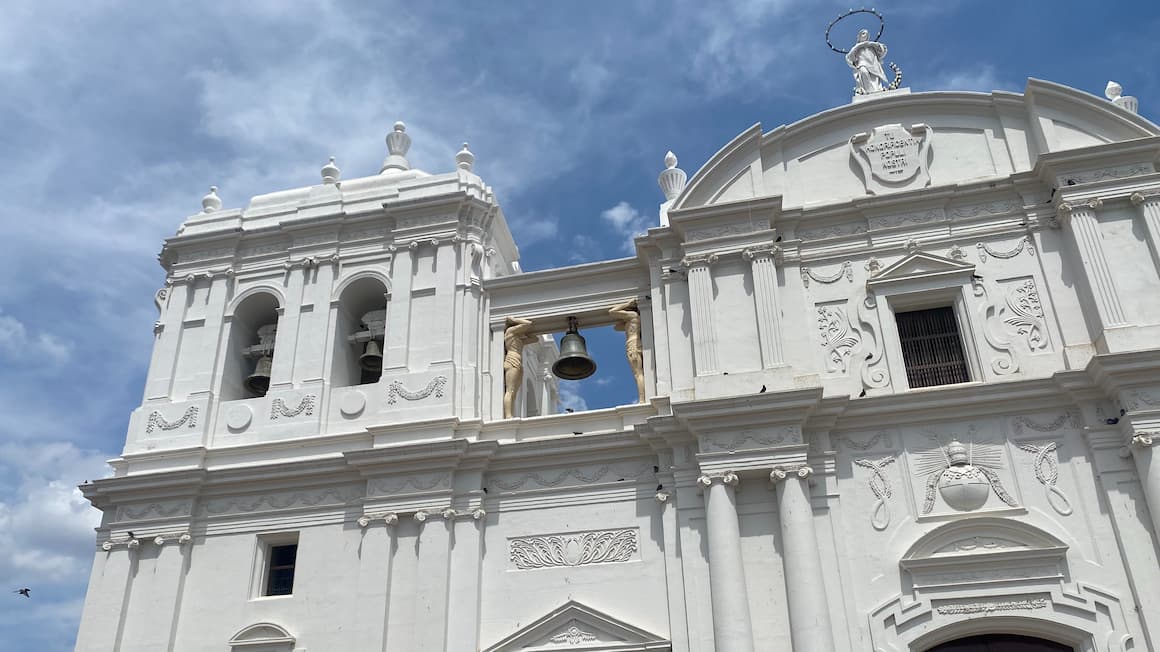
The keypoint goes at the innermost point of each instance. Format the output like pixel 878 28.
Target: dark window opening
pixel 1001 643
pixel 932 348
pixel 280 573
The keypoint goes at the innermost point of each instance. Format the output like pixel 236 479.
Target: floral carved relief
pixel 1003 362
pixel 1024 313
pixel 580 549
pixel 837 338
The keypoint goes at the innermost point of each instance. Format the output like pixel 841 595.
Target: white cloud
pixel 570 397
pixel 627 222
pixel 983 78
pixel 46 525
pixel 17 343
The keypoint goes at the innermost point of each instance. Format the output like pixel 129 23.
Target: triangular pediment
pixel 575 626
pixel 919 265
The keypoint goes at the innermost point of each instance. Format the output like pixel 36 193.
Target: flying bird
pixel 24 592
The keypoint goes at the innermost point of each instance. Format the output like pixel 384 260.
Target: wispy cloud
pixel 627 223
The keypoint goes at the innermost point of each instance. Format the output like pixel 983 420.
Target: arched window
pixel 1001 643
pixel 361 327
pixel 250 359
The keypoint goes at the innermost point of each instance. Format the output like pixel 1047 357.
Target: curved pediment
pixel 267 634
pixel 908 141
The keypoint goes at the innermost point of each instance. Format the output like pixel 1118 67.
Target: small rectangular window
pixel 280 569
pixel 932 347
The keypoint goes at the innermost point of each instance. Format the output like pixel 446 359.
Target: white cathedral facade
pixel 901 377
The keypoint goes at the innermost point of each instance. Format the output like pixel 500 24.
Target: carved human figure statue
pixel 515 336
pixel 629 321
pixel 865 58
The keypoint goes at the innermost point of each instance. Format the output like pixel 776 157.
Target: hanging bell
pixel 574 362
pixel 372 358
pixel 259 381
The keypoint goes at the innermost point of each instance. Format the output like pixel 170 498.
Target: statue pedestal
pixel 879 95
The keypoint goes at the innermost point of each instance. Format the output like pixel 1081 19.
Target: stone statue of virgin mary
pixel 865 58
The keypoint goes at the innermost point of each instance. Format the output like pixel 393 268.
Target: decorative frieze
pixel 990 606
pixel 278 409
pixel 846 270
pixel 157 421
pixel 434 387
pixel 589 474
pixel 414 483
pixel 751 438
pixel 154 510
pixel 576 549
pixel 280 500
pixel 1025 244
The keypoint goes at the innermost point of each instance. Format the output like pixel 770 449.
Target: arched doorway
pixel 1001 643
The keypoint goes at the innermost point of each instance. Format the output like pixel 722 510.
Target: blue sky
pixel 116 117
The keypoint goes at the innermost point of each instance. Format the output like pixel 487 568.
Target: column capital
pixel 780 473
pixel 728 478
pixel 763 251
pixel 1139 198
pixel 698 261
pixel 1145 439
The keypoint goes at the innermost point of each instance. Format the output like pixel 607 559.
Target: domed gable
pixel 909 141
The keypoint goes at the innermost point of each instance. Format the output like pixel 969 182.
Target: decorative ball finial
pixel 398 142
pixel 330 172
pixel 672 180
pixel 464 159
pixel 1113 91
pixel 211 202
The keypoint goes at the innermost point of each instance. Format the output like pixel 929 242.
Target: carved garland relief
pixel 433 387
pixel 157 420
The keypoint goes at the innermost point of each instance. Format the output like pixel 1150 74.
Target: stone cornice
pixel 757 409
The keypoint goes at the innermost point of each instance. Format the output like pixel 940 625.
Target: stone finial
pixel 330 172
pixel 398 142
pixel 672 180
pixel 1115 94
pixel 464 159
pixel 211 202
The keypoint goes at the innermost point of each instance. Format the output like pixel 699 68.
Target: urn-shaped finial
pixel 464 159
pixel 398 142
pixel 1115 94
pixel 1113 90
pixel 330 172
pixel 211 202
pixel 672 180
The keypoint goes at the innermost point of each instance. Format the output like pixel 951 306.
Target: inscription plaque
pixel 892 157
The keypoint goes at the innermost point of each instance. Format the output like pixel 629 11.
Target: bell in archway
pixel 372 358
pixel 574 362
pixel 259 381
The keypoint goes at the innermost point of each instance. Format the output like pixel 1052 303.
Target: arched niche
pixel 990 575
pixel 1039 635
pixel 262 637
pixel 360 306
pixel 253 311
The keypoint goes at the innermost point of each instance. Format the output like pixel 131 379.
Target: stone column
pixel 376 566
pixel 701 298
pixel 765 297
pixel 1085 229
pixel 809 609
pixel 430 604
pixel 1149 207
pixel 732 631
pixel 1145 449
pixel 465 580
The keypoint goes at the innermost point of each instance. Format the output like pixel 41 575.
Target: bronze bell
pixel 372 358
pixel 574 362
pixel 259 381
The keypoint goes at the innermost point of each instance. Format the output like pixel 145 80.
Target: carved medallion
pixel 892 157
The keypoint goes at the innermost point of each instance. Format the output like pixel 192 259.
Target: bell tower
pixel 324 310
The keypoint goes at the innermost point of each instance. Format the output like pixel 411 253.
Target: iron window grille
pixel 932 347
